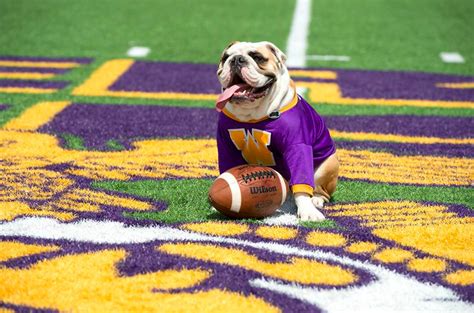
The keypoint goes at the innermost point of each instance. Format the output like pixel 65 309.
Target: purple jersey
pixel 294 144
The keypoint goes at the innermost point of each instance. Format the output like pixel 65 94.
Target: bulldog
pixel 264 121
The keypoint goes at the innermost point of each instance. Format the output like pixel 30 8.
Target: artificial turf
pixel 18 103
pixel 82 228
pixel 175 30
pixel 376 35
pixel 393 35
pixel 186 199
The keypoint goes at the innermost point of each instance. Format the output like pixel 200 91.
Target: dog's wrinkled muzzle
pixel 239 89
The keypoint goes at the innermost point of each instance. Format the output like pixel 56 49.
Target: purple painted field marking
pixel 45 59
pixel 200 78
pixel 21 74
pixel 7 69
pixel 33 84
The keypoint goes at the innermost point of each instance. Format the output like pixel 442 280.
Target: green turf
pixel 393 35
pixel 114 145
pixel 73 142
pixel 175 30
pixel 187 198
pixel 134 101
pixel 335 109
pixel 403 34
pixel 356 191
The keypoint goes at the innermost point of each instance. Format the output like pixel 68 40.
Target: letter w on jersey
pixel 254 146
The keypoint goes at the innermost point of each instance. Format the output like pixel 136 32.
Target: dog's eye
pixel 257 57
pixel 224 58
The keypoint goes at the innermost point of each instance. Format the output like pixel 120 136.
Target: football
pixel 248 191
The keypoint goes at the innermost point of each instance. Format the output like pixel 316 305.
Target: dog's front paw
pixel 307 211
pixel 310 214
pixel 318 202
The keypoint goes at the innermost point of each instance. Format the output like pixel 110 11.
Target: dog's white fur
pixel 276 97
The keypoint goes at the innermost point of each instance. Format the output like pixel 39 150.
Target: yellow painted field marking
pixel 25 75
pixel 330 93
pixel 398 138
pixel 39 64
pixel 465 85
pixel 99 82
pixel 28 90
pixel 36 116
pixel 314 74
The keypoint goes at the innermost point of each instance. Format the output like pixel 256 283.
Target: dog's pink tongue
pixel 225 96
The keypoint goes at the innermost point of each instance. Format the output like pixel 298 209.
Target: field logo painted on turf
pixel 42 178
pixel 73 228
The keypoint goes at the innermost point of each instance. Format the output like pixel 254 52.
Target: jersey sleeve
pixel 299 160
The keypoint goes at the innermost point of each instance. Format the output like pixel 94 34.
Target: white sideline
pixel 138 52
pixel 297 42
pixel 451 57
pixel 316 57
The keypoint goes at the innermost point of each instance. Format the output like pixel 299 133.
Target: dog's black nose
pixel 239 60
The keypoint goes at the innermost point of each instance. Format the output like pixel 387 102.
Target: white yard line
pixel 340 58
pixel 297 42
pixel 138 52
pixel 451 57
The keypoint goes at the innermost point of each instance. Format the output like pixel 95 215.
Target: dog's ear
pixel 228 46
pixel 231 44
pixel 281 57
pixel 224 56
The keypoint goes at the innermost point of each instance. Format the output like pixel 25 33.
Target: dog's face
pixel 248 72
